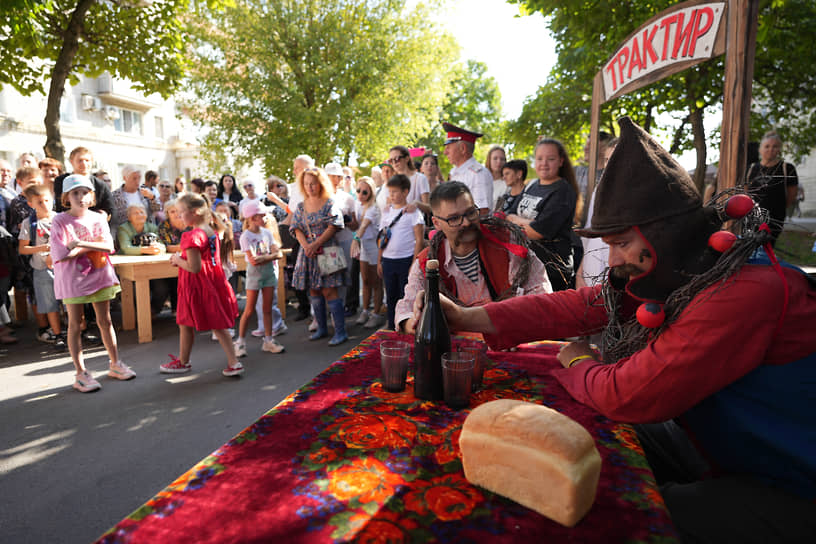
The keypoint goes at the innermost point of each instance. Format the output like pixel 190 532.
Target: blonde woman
pixel 315 222
pixel 364 247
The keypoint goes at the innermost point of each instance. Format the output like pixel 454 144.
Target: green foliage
pixel 327 78
pixel 143 42
pixel 586 33
pixel 473 102
pixel 785 75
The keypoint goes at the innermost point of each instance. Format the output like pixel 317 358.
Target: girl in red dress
pixel 205 299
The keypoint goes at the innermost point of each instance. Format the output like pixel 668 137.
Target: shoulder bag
pixel 330 258
pixel 384 236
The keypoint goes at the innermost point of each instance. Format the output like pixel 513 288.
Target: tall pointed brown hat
pixel 641 184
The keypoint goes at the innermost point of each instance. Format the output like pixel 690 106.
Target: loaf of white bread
pixel 533 455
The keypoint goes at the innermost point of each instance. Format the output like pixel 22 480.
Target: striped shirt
pixel 469 265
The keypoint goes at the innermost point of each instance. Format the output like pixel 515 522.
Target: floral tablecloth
pixel 343 460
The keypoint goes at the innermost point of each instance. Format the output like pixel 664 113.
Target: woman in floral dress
pixel 314 224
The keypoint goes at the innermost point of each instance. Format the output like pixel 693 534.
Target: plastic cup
pixel 479 351
pixel 394 365
pixel 457 373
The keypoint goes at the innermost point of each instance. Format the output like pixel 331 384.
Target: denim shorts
pixel 369 252
pixel 44 291
pixel 258 277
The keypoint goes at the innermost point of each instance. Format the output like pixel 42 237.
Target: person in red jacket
pixel 707 346
pixel 481 259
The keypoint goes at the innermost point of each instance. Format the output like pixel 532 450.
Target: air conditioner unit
pixel 111 113
pixel 91 103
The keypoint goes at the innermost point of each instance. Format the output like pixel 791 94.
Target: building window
pixel 159 127
pixel 129 121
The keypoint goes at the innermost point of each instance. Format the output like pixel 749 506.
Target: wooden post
pixel 739 74
pixel 594 126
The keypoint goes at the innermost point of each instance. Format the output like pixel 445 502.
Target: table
pixel 135 273
pixel 340 459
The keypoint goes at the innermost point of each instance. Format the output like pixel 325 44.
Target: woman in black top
pixel 228 192
pixel 514 174
pixel 772 182
pixel 546 211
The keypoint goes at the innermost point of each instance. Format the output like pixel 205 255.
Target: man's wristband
pixel 578 360
pixel 355 237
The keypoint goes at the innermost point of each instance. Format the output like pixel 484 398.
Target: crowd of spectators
pixel 496 233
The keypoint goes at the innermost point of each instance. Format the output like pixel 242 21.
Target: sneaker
pixel 373 321
pixel 240 349
pixel 236 370
pixel 349 311
pixel 280 331
pixel 258 333
pixel 47 336
pixel 364 315
pixel 85 383
pixel 90 338
pixel 313 325
pixel 175 366
pixel 121 371
pixel 272 346
pixel 61 343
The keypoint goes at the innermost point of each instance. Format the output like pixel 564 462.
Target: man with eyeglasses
pixel 459 147
pixel 482 260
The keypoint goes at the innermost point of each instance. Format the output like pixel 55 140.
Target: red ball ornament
pixel 651 315
pixel 722 240
pixel 738 206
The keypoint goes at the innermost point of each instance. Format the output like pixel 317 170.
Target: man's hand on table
pixel 575 349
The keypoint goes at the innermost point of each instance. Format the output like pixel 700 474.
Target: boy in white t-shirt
pixel 405 242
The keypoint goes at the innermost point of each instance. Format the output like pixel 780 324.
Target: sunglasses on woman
pixel 363 192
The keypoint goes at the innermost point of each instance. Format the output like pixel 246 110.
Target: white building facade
pixel 117 123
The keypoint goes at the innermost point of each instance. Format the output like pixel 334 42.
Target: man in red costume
pixel 716 367
pixel 480 260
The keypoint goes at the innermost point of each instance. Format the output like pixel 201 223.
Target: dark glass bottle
pixel 432 339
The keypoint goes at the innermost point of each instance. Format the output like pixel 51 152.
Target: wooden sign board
pixel 673 40
pixel 678 38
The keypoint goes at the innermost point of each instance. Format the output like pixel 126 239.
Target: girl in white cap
pixel 80 244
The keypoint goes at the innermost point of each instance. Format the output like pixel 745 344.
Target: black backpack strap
pixel 32 228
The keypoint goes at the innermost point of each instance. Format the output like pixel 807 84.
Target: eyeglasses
pixel 395 160
pixel 164 186
pixel 456 220
pixel 312 169
pixel 363 192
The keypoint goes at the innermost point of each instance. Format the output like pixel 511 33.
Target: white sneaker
pixel 240 349
pixel 280 330
pixel 313 325
pixel 85 383
pixel 364 315
pixel 121 371
pixel 272 346
pixel 258 333
pixel 373 321
pixel 214 338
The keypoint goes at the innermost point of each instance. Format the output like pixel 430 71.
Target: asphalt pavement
pixel 74 464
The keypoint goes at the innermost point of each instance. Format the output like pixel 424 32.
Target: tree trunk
pixel 59 75
pixel 698 131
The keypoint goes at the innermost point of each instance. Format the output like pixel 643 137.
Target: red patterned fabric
pixel 343 460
